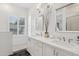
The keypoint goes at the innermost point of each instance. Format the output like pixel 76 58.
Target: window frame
pixel 24 32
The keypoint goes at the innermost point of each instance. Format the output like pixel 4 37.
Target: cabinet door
pixel 62 52
pixel 48 50
pixel 35 48
pixel 29 45
pixel 58 52
pixel 38 48
pixel 67 53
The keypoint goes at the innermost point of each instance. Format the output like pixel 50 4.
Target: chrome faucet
pixel 61 39
pixel 64 39
pixel 69 41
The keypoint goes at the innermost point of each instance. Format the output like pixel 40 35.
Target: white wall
pixel 6 10
pixel 5 43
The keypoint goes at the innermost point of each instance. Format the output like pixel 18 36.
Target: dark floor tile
pixel 22 52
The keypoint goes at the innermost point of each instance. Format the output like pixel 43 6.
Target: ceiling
pixel 30 5
pixel 25 5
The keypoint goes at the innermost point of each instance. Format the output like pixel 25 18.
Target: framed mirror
pixel 37 22
pixel 67 18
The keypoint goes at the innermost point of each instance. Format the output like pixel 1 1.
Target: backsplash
pixel 67 35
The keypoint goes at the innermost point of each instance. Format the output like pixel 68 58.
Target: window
pixel 21 25
pixel 13 24
pixel 16 25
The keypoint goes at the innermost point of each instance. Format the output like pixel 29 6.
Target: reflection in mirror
pixel 69 19
pixel 21 29
pixel 21 21
pixel 59 22
pixel 73 23
pixel 21 25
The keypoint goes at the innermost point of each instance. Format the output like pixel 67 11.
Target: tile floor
pixel 22 52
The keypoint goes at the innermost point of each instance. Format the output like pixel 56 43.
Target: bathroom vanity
pixel 62 27
pixel 40 46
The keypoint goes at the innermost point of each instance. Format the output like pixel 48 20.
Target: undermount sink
pixel 69 45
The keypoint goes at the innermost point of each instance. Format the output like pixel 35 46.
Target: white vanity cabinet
pixel 29 45
pixel 35 47
pixel 54 51
pixel 62 52
pixel 48 50
pixel 38 48
pixel 59 52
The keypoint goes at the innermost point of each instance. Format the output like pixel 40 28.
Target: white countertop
pixel 67 47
